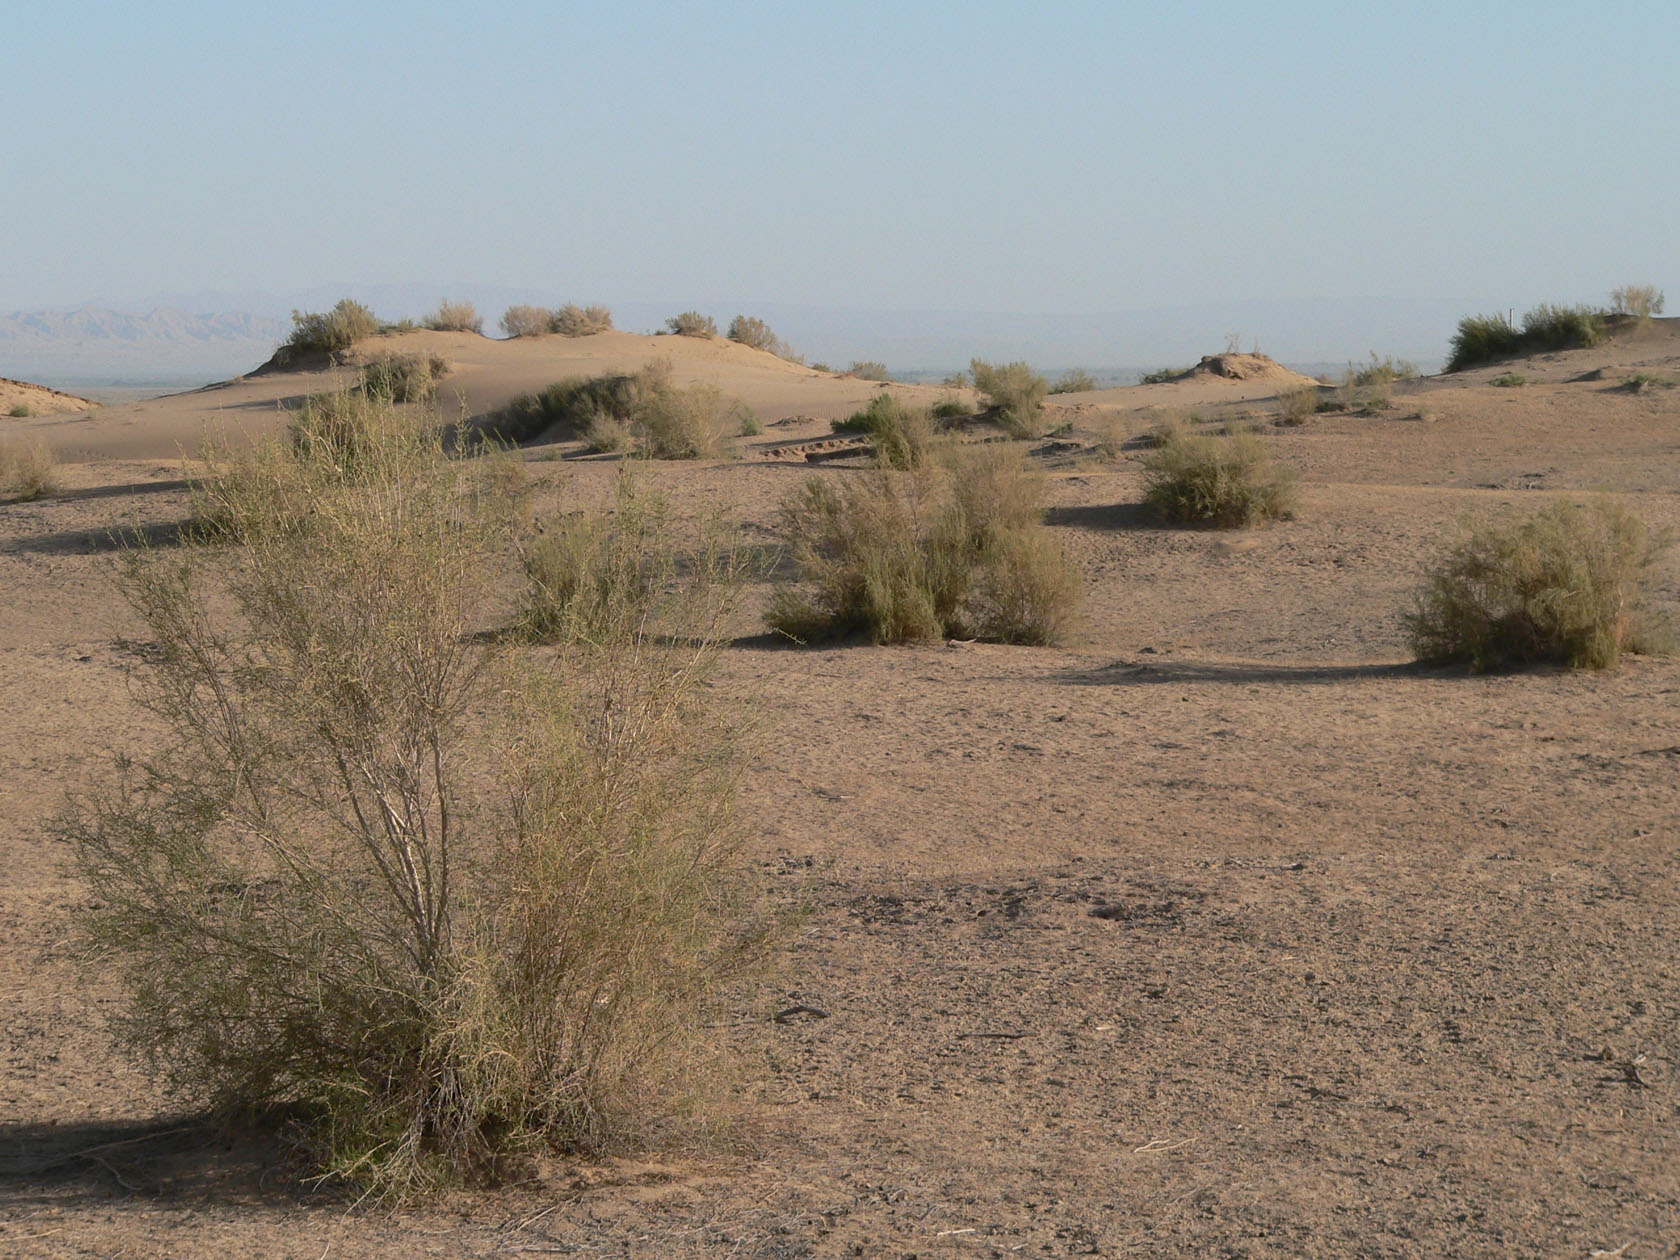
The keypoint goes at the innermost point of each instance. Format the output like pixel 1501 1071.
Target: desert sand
pixel 1223 931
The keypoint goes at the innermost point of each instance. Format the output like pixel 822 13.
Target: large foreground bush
pixel 1564 584
pixel 957 548
pixel 439 904
pixel 1226 481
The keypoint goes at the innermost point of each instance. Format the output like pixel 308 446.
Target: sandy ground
pixel 1224 931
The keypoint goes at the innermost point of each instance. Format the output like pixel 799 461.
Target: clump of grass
pixel 1510 380
pixel 750 424
pixel 1074 381
pixel 956 548
pixel 901 433
pixel 455 317
pixel 692 324
pixel 27 470
pixel 1297 405
pixel 947 409
pixel 1362 392
pixel 21 411
pixel 1639 382
pixel 1485 338
pixel 1638 301
pixel 1386 371
pixel 1563 585
pixel 869 370
pixel 330 332
pixel 403 378
pixel 572 320
pixel 1482 339
pixel 1015 393
pixel 527 321
pixel 1163 376
pixel 1224 481
pixel 440 905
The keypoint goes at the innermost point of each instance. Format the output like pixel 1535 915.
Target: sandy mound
pixel 37 398
pixel 1246 367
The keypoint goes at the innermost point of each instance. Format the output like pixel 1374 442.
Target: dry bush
pixel 1385 370
pixel 1074 381
pixel 330 332
pixel 455 317
pixel 572 320
pixel 755 333
pixel 869 370
pixel 440 905
pixel 1016 394
pixel 692 324
pixel 957 548
pixel 901 434
pixel 1563 584
pixel 692 422
pixel 1226 482
pixel 576 404
pixel 527 321
pixel 1297 405
pixel 27 470
pixel 1641 301
pixel 403 378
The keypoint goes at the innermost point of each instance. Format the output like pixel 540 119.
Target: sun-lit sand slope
pixel 1220 931
pixel 37 399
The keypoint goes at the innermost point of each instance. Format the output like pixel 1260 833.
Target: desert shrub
pixel 21 411
pixel 1297 405
pixel 869 370
pixel 957 548
pixel 753 332
pixel 572 320
pixel 1563 584
pixel 692 324
pixel 1639 382
pixel 957 380
pixel 1482 339
pixel 574 404
pixel 455 317
pixel 442 905
pixel 27 470
pixel 641 411
pixel 1641 301
pixel 403 378
pixel 751 425
pixel 1074 381
pixel 1226 482
pixel 820 366
pixel 527 321
pixel 332 331
pixel 1015 393
pixel 1367 392
pixel 1549 327
pixel 608 435
pixel 1163 376
pixel 1510 380
pixel 1385 371
pixel 950 409
pixel 901 433
pixel 692 422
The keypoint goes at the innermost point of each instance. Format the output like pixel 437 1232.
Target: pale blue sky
pixel 955 156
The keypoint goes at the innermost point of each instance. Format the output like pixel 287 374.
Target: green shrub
pixel 692 324
pixel 572 405
pixel 1482 339
pixel 455 317
pixel 1297 405
pixel 1549 327
pixel 695 422
pixel 21 411
pixel 1163 376
pixel 1640 301
pixel 956 548
pixel 901 433
pixel 388 878
pixel 27 470
pixel 1226 482
pixel 1384 371
pixel 572 320
pixel 1015 392
pixel 950 409
pixel 755 333
pixel 1563 584
pixel 330 332
pixel 1510 380
pixel 820 366
pixel 527 321
pixel 869 370
pixel 1639 382
pixel 751 425
pixel 403 378
pixel 1074 381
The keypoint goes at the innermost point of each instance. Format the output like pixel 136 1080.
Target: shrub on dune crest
pixel 392 880
pixel 957 548
pixel 1639 301
pixel 572 320
pixel 455 317
pixel 331 331
pixel 1485 338
pixel 692 324
pixel 527 321
pixel 1563 585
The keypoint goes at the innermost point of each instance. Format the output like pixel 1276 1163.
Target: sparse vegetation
pixel 1384 371
pixel 393 881
pixel 956 548
pixel 27 470
pixel 1297 405
pixel 638 411
pixel 330 332
pixel 21 411
pixel 957 380
pixel 695 422
pixel 403 378
pixel 526 321
pixel 1639 301
pixel 455 317
pixel 1163 376
pixel 1015 392
pixel 1224 481
pixel 1485 338
pixel 692 324
pixel 1639 382
pixel 1560 585
pixel 1074 381
pixel 902 434
pixel 572 320
pixel 869 370
pixel 1510 380
pixel 755 333
pixel 950 409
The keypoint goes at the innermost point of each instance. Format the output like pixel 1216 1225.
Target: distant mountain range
pixel 96 346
